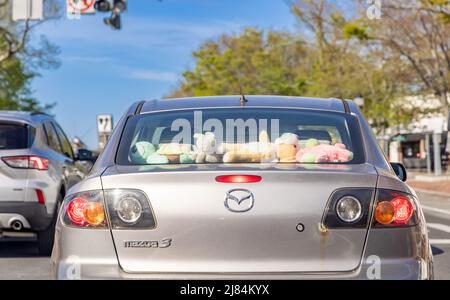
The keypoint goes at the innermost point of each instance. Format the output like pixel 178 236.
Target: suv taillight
pixel 394 209
pixel 27 162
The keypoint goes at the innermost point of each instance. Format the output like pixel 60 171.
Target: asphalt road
pixel 19 258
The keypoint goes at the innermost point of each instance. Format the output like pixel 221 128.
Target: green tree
pixel 344 68
pixel 21 58
pixel 412 33
pixel 253 62
pixel 323 59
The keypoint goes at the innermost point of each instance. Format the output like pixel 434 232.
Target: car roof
pixel 330 104
pixel 31 118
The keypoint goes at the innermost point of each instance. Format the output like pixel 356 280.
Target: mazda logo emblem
pixel 239 200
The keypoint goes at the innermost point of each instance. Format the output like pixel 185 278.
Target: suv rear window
pixel 13 136
pixel 241 135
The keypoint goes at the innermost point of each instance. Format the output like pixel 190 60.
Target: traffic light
pixel 114 21
pixel 102 6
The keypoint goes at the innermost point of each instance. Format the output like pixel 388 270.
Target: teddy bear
pixel 322 153
pixel 205 148
pixel 287 147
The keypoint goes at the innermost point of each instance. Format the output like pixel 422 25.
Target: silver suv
pixel 37 167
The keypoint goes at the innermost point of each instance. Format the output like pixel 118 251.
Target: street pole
pixel 428 152
pixel 437 154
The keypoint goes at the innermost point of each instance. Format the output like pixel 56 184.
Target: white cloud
pixel 151 75
pixel 137 32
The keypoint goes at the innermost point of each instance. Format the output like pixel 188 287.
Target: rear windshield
pixel 13 136
pixel 241 135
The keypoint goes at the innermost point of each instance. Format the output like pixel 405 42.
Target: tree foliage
pixel 21 57
pixel 252 62
pixel 322 59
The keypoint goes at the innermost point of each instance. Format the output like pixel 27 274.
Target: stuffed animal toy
pixel 324 153
pixel 255 152
pixel 188 158
pixel 141 151
pixel 157 159
pixel 173 151
pixel 287 147
pixel 249 156
pixel 311 143
pixel 205 148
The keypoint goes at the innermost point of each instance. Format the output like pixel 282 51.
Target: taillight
pixel 125 208
pixel 129 209
pixel 394 209
pixel 238 179
pixel 85 210
pixel 384 213
pixel 348 208
pixel 27 162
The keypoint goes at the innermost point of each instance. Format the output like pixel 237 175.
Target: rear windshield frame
pixel 354 128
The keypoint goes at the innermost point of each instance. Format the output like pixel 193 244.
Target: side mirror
pixel 84 154
pixel 400 171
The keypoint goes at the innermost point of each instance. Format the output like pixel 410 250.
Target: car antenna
pixel 243 100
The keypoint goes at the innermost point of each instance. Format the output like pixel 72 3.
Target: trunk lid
pixel 189 208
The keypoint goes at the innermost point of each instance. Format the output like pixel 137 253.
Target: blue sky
pixel 104 71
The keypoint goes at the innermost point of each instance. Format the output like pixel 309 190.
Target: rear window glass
pixel 241 135
pixel 13 136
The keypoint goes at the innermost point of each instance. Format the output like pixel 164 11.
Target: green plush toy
pixel 308 158
pixel 141 151
pixel 187 158
pixel 157 159
pixel 311 143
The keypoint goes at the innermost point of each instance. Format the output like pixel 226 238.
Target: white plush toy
pixel 205 148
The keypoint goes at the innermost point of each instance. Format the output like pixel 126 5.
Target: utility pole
pixel 437 153
pixel 428 151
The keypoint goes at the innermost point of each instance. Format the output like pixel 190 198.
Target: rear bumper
pixel 83 268
pixel 390 254
pixel 35 213
pixel 71 259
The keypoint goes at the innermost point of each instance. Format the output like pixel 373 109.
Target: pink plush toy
pixel 324 153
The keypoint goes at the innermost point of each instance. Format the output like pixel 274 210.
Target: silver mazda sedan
pixel 242 187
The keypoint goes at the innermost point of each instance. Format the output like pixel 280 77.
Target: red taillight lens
pixel 27 162
pixel 75 211
pixel 38 163
pixel 394 209
pixel 85 210
pixel 403 210
pixel 238 179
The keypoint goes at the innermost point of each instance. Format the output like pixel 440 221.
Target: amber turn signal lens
pixel 385 213
pixel 94 213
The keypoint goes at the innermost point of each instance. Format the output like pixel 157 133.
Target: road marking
pixel 439 242
pixel 438 210
pixel 438 226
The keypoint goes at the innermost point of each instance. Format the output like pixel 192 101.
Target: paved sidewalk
pixel 437 186
pixel 429 182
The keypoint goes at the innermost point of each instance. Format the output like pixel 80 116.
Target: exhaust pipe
pixel 17 225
